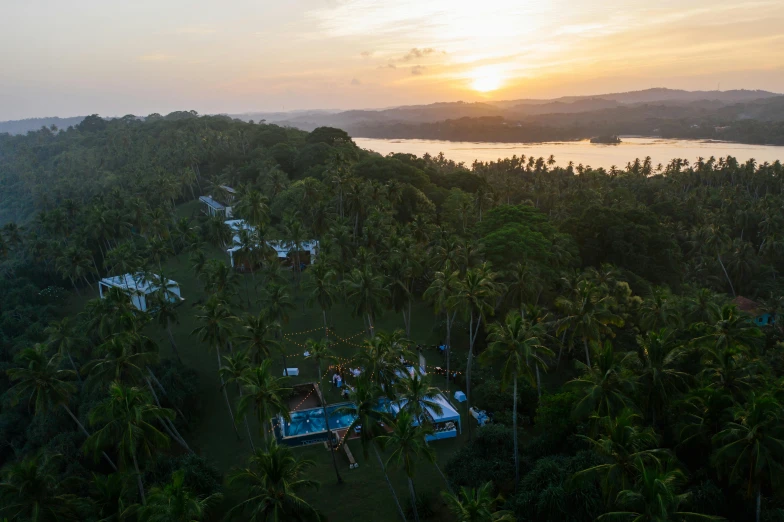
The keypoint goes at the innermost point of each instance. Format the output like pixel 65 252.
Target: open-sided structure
pixel 285 250
pixel 138 288
pixel 219 204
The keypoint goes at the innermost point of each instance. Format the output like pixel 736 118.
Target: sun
pixel 486 79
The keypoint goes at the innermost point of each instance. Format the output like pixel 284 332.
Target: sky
pixel 77 57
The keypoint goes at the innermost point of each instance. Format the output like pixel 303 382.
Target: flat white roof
pixel 134 282
pixel 448 412
pixel 281 247
pixel 211 202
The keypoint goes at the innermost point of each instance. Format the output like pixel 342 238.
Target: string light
pixel 303 400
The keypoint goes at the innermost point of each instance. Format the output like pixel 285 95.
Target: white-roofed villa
pixel 139 287
pixel 284 250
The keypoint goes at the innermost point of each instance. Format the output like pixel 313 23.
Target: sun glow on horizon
pixel 486 79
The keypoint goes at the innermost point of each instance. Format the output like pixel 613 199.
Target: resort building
pixel 220 203
pixel 754 309
pixel 138 288
pixel 284 250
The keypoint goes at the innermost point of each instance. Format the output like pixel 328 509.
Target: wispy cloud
pixel 418 70
pixel 355 81
pixel 366 54
pixel 417 53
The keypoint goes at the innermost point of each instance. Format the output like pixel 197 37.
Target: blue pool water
pixel 312 421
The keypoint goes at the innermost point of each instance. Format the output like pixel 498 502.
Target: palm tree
pixel 127 417
pixel 273 480
pixel 44 385
pixel 277 305
pixel 32 490
pixel 588 315
pixel 263 392
pixel 408 445
pixel 176 503
pixel 164 311
pixel 252 206
pixel 658 356
pixel 110 495
pixel 443 292
pixel 477 291
pixel 731 330
pixel 215 331
pixel 752 446
pixel 256 334
pixel 365 291
pixel 419 396
pixel 364 408
pixel 477 505
pixel 606 387
pixel 319 351
pixel 516 343
pixel 321 289
pixel 74 263
pixel 64 337
pixel 654 497
pixel 295 236
pixel 621 444
pixel 237 365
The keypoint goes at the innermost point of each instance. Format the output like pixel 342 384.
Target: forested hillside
pixel 619 327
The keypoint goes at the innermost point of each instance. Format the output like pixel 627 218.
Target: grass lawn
pixel 364 495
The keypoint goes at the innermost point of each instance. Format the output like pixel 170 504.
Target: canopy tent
pixel 138 287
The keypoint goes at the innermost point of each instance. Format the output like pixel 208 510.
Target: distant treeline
pixel 498 129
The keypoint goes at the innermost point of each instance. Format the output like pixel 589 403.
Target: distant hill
pixel 32 124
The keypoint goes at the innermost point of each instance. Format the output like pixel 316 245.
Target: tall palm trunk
pixel 87 434
pixel 718 256
pixel 139 478
pixel 389 483
pixel 329 431
pixel 167 424
pixel 587 352
pixel 759 503
pixel 514 433
pixel 448 346
pixel 538 383
pixel 247 426
pixel 326 328
pixel 413 499
pixel 70 359
pixel 471 339
pixel 171 340
pixel 370 324
pixel 226 394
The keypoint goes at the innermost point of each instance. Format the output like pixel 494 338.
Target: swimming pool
pixel 312 421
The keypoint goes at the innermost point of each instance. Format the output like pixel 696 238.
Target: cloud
pixel 388 66
pixel 366 54
pixel 355 81
pixel 155 57
pixel 417 53
pixel 418 70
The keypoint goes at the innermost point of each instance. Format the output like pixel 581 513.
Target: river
pixel 596 155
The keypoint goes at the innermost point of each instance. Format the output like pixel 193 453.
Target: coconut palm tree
pixel 751 448
pixel 407 444
pixel 44 385
pixel 294 232
pixel 215 329
pixel 365 291
pixel 110 496
pixel 164 310
pixel 319 351
pixel 256 335
pixel 517 344
pixel 32 490
pixel 654 497
pixel 321 289
pixel 606 387
pixel 235 366
pixel 621 444
pixel 443 292
pixel 176 503
pixel 419 396
pixel 127 415
pixel 363 406
pixel 477 293
pixel 253 207
pixel 731 330
pixel 656 365
pixel 264 393
pixel 477 505
pixel 277 306
pixel 65 338
pixel 588 315
pixel 273 481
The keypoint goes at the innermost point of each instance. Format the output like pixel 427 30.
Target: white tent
pixel 138 287
pixel 441 421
